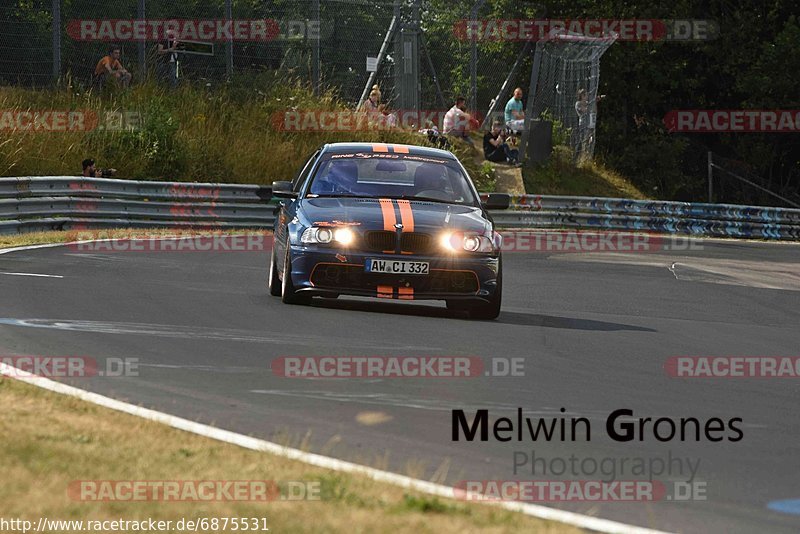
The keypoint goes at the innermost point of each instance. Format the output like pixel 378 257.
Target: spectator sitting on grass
pixel 495 147
pixel 457 121
pixel 110 66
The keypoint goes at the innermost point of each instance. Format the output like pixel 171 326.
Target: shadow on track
pixel 552 321
pixel 511 318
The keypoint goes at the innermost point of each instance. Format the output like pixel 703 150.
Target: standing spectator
pixel 168 58
pixel 514 114
pixel 495 147
pixel 457 121
pixel 377 113
pixel 110 66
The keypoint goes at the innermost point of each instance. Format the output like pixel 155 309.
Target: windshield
pixel 392 176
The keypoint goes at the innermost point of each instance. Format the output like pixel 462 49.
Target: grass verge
pixel 50 440
pixel 227 134
pixel 559 176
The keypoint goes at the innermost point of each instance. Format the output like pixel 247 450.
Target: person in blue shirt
pixel 514 114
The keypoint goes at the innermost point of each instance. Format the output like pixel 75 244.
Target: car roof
pixel 346 148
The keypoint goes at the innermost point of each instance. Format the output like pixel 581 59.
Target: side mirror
pixel 497 201
pixel 283 190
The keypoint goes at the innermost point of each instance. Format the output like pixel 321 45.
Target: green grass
pixel 559 176
pixel 194 133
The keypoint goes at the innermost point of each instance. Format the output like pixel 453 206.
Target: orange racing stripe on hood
pixel 406 215
pixel 389 218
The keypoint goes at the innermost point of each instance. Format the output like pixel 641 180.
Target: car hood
pixel 366 214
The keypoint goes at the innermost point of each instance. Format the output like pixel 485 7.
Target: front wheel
pixel 274 280
pixel 491 309
pixel 288 293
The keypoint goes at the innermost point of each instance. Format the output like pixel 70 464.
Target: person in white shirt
pixel 457 120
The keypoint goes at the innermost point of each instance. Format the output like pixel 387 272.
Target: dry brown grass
pixel 50 440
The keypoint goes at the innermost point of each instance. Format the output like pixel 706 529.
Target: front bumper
pixel 331 271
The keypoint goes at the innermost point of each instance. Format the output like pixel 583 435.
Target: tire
pixel 274 281
pixel 491 309
pixel 288 293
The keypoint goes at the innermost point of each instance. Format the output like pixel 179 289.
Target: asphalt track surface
pixel 594 331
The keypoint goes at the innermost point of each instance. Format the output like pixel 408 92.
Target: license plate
pixel 396 267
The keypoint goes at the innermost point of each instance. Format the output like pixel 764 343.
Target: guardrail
pixel 700 219
pixel 68 203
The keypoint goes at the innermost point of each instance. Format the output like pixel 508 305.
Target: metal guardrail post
pixel 710 178
pixel 229 44
pixel 56 8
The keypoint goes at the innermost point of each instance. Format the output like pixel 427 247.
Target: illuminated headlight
pixel 317 235
pixel 458 241
pixel 343 236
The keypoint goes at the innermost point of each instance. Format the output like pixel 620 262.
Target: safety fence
pixel 700 219
pixel 69 203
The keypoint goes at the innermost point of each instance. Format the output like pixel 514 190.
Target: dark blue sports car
pixel 387 221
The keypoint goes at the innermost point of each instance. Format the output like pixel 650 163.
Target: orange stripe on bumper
pixel 389 218
pixel 406 215
pixel 405 293
pixel 385 292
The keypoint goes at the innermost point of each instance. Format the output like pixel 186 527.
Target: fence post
pixel 473 60
pixel 56 40
pixel 229 45
pixel 526 130
pixel 315 51
pixel 140 14
pixel 710 178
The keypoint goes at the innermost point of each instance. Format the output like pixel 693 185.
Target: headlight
pixel 469 242
pixel 343 236
pixel 315 234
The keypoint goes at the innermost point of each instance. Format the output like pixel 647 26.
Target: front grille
pixel 341 276
pixel 380 241
pixel 416 243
